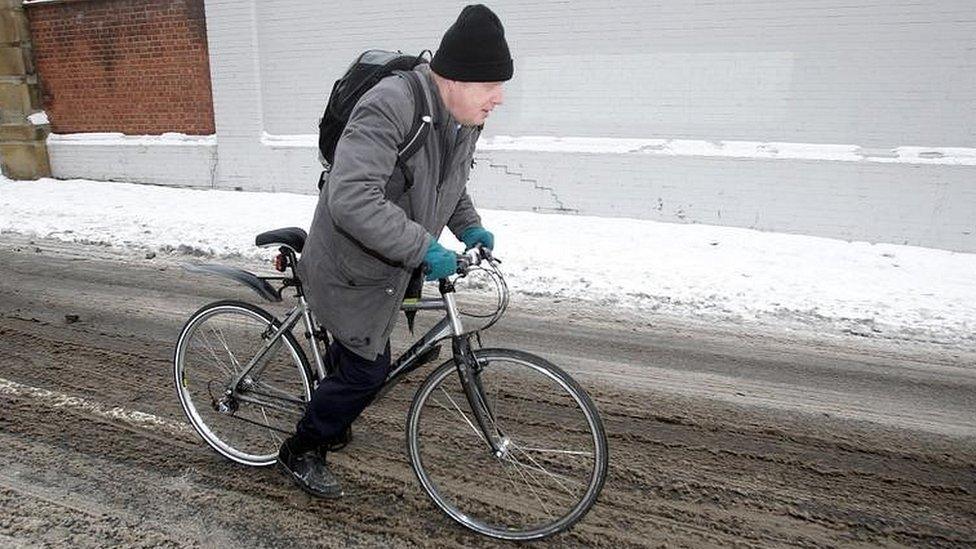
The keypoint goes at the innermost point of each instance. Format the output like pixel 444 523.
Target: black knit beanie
pixel 474 48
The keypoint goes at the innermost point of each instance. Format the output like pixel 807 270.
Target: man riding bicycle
pixel 372 233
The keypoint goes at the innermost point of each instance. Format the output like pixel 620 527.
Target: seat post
pixel 292 264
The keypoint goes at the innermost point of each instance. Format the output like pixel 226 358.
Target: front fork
pixel 469 372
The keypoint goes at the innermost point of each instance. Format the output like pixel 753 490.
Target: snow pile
pixel 705 272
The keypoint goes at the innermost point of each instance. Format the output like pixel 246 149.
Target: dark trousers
pixel 341 397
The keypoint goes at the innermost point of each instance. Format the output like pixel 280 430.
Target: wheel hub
pixel 503 448
pixel 226 405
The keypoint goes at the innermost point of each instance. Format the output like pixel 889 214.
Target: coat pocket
pixel 358 312
pixel 360 267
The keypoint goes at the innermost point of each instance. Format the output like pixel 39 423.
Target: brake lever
pixel 474 257
pixel 463 264
pixel 486 254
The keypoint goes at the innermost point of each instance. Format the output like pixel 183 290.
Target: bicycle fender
pixel 259 285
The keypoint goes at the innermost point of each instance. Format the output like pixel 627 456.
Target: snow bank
pixel 706 272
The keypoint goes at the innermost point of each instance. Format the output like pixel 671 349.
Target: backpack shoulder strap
pixel 422 122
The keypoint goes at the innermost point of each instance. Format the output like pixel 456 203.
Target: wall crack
pixel 560 207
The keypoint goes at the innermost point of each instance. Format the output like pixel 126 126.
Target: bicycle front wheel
pixel 247 425
pixel 554 458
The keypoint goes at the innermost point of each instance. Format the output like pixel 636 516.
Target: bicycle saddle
pixel 293 237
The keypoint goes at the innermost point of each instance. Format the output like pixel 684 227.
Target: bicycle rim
pixel 216 343
pixel 555 459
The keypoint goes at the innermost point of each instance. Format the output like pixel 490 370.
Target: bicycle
pixel 504 442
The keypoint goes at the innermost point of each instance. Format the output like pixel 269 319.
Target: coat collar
pixel 443 119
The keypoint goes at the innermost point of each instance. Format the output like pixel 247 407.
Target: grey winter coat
pixel 367 235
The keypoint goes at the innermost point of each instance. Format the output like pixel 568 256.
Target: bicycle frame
pixel 448 327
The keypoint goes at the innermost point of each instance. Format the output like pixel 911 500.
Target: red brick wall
pixel 130 66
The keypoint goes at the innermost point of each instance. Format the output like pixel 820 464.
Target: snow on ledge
pixel 953 156
pixel 949 156
pixel 120 139
pixel 289 141
pixel 38 118
pixel 960 156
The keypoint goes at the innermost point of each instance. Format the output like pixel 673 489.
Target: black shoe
pixel 306 466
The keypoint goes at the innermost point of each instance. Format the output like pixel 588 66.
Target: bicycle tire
pixel 470 501
pixel 192 398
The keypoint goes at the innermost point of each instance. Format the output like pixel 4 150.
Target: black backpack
pixel 364 73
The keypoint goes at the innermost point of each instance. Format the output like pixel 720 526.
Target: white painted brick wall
pixel 178 165
pixel 875 74
pixel 926 205
pixel 871 73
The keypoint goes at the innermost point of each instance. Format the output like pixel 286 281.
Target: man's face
pixel 472 102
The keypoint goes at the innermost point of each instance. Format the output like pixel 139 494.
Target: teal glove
pixel 440 262
pixel 472 236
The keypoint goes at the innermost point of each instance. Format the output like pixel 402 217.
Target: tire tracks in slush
pixel 95 451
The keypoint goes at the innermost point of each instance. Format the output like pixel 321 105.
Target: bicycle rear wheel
pixel 555 458
pixel 216 343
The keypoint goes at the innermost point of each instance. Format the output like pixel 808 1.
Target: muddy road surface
pixel 719 436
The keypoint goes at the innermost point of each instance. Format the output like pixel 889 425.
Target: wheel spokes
pixel 462 414
pixel 543 478
pixel 217 346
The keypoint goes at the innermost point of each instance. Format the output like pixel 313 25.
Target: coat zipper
pixel 440 176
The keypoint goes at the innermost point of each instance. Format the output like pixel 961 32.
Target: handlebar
pixel 474 257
